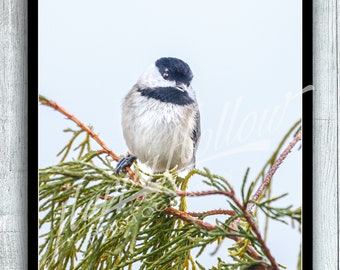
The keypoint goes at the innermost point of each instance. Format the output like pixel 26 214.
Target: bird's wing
pixel 196 132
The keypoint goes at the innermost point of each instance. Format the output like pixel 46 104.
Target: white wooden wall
pixel 13 139
pixel 326 139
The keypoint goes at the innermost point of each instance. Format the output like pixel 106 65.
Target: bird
pixel 161 119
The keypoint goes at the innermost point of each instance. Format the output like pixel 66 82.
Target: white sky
pixel 246 59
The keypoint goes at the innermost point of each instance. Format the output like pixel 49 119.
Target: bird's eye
pixel 166 73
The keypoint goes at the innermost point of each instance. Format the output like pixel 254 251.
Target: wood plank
pixel 325 141
pixel 13 139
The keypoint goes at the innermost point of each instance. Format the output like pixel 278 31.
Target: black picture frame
pixel 307 143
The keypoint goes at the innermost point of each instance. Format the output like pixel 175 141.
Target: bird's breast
pixel 159 134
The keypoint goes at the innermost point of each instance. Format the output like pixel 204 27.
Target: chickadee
pixel 161 119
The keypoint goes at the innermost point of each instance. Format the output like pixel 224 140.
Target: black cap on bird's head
pixel 168 80
pixel 174 69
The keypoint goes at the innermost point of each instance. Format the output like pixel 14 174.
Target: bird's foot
pixel 123 163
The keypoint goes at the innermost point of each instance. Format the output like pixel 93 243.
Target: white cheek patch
pixel 151 78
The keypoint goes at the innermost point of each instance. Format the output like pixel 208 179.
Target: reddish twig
pixel 188 218
pixel 273 169
pixel 212 213
pixel 182 193
pixel 101 151
pixel 257 233
pixel 105 149
pixel 80 124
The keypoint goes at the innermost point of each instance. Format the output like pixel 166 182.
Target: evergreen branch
pixel 208 226
pixel 68 147
pixel 85 144
pixel 244 200
pixel 131 223
pixel 188 217
pixel 245 212
pixel 259 192
pixel 278 213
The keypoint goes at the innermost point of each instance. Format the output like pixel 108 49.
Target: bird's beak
pixel 181 87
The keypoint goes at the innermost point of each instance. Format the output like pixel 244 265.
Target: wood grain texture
pixel 326 139
pixel 13 138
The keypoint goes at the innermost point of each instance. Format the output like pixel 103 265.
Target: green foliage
pixel 97 220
